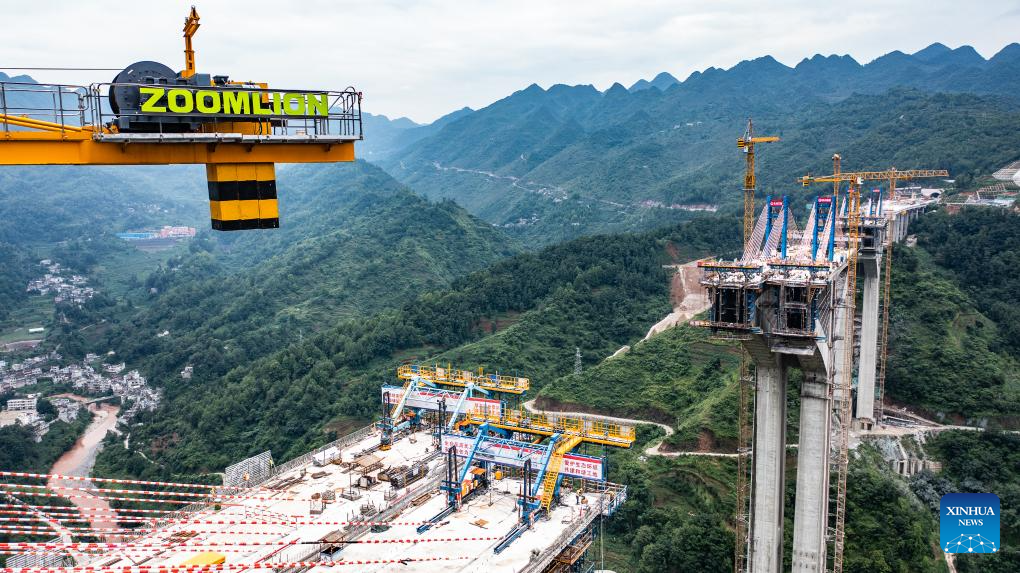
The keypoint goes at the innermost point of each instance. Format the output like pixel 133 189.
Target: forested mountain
pixel 570 160
pixel 385 137
pixel 953 327
pixel 47 204
pixel 355 243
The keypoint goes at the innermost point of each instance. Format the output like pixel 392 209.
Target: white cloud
pixel 425 58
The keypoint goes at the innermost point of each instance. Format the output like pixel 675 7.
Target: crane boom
pixel 892 174
pixel 190 27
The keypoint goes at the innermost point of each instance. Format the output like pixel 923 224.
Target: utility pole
pixel 577 360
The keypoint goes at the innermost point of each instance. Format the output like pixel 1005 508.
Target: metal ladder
pixel 552 472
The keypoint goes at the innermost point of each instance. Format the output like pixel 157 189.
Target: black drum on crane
pixel 125 99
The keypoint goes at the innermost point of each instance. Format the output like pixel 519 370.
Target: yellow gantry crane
pixel 190 27
pixel 151 115
pixel 747 143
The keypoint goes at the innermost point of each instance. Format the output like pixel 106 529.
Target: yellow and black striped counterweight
pixel 242 196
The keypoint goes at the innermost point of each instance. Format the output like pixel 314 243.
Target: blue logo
pixel 969 523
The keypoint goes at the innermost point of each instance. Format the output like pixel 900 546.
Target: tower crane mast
pixel 747 143
pixel 746 390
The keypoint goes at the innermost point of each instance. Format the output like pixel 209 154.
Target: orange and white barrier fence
pixel 106 480
pixel 224 566
pixel 192 544
pixel 198 496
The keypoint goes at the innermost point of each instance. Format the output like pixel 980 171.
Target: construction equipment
pixel 747 143
pixel 392 419
pixel 591 430
pixel 461 401
pixel 883 355
pixel 891 175
pixel 850 301
pixel 872 223
pixel 151 115
pixel 552 471
pixel 450 376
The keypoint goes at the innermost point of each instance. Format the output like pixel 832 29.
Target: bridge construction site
pixel 453 477
pixel 791 301
pixel 457 475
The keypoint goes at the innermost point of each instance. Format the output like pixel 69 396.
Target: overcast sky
pixel 422 59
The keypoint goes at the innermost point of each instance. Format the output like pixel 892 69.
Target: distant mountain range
pixel 924 66
pixel 550 164
pixel 385 137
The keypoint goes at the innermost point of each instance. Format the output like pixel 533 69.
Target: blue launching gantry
pixel 482 433
pixel 778 213
pixel 825 218
pixel 530 501
pixel 391 422
pixel 471 387
pixel 453 485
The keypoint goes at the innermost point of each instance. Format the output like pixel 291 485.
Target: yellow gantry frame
pixel 586 429
pixel 461 378
pixel 76 146
pixel 190 27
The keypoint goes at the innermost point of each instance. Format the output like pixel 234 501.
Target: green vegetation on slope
pixel 19 450
pixel 14 276
pixel 679 377
pixel 982 249
pixel 47 204
pixel 980 462
pixel 887 528
pixel 944 355
pixel 228 302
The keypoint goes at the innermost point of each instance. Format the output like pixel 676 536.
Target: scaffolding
pixel 842 450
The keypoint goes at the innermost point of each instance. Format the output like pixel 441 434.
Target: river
pixel 79 460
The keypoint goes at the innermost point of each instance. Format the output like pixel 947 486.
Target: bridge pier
pixel 769 458
pixel 811 510
pixel 870 268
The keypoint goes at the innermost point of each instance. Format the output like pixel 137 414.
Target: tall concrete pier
pixel 786 300
pixel 869 267
pixel 770 457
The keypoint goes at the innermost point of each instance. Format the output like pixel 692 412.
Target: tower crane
pixel 891 175
pixel 747 143
pixel 152 115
